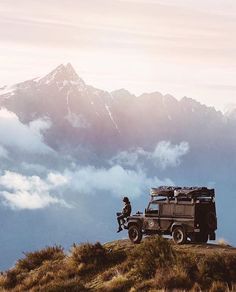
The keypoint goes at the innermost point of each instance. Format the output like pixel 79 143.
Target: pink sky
pixel 182 47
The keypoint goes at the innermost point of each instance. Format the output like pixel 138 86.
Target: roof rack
pixel 180 192
pixel 162 191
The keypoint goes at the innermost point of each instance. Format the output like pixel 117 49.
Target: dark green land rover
pixel 182 212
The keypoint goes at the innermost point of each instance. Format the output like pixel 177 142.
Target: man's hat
pixel 126 199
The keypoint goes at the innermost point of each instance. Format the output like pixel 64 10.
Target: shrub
pixel 230 262
pixel 20 275
pixel 213 268
pixel 116 256
pixel 187 262
pixel 35 259
pixel 88 257
pixel 173 279
pixel 9 280
pixel 48 272
pixel 151 254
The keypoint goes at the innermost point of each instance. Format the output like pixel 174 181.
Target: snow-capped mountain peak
pixel 63 74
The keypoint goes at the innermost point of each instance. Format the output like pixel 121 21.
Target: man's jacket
pixel 126 210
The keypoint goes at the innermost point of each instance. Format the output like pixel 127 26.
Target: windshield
pixel 153 206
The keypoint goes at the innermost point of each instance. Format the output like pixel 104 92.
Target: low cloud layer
pixel 30 192
pixel 23 189
pixel 164 155
pixel 169 155
pixel 115 180
pixel 17 135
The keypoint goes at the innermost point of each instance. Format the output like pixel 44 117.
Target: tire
pixel 135 233
pixel 179 235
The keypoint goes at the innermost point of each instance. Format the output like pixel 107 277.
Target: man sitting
pixel 126 211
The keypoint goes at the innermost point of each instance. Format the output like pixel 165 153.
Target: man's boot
pixel 119 229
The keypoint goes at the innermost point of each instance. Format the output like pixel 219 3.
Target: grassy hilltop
pixel 154 265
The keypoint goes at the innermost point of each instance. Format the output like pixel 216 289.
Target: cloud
pixel 169 155
pixel 57 179
pixel 128 158
pixel 30 192
pixel 164 155
pixel 28 138
pixel 115 180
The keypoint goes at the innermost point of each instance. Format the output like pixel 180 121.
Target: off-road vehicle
pixel 182 212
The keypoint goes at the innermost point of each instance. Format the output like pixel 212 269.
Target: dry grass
pixel 118 284
pixel 150 255
pixel 153 265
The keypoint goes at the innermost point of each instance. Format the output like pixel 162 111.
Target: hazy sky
pixel 182 47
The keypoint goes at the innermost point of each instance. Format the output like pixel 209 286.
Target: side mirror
pixel 145 210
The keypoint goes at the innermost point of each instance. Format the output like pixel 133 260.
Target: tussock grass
pixel 153 265
pixel 219 287
pixel 150 255
pixel 118 284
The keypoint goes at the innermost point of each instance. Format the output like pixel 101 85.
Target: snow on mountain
pixel 63 76
pixel 7 91
pixel 83 115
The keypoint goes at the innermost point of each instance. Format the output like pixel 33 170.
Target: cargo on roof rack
pixel 162 191
pixel 195 192
pixel 189 192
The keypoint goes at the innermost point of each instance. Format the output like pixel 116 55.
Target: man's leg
pixel 119 219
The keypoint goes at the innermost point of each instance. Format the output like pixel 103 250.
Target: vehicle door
pixel 152 216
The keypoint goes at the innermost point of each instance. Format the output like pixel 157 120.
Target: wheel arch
pixel 176 224
pixel 137 222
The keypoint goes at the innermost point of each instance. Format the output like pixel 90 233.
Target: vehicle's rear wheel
pixel 179 235
pixel 135 233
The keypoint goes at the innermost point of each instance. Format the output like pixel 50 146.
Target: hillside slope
pixel 154 264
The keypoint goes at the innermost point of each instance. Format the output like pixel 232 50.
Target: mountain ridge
pixel 68 73
pixel 90 116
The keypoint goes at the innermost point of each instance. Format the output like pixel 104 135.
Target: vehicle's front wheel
pixel 135 233
pixel 179 235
